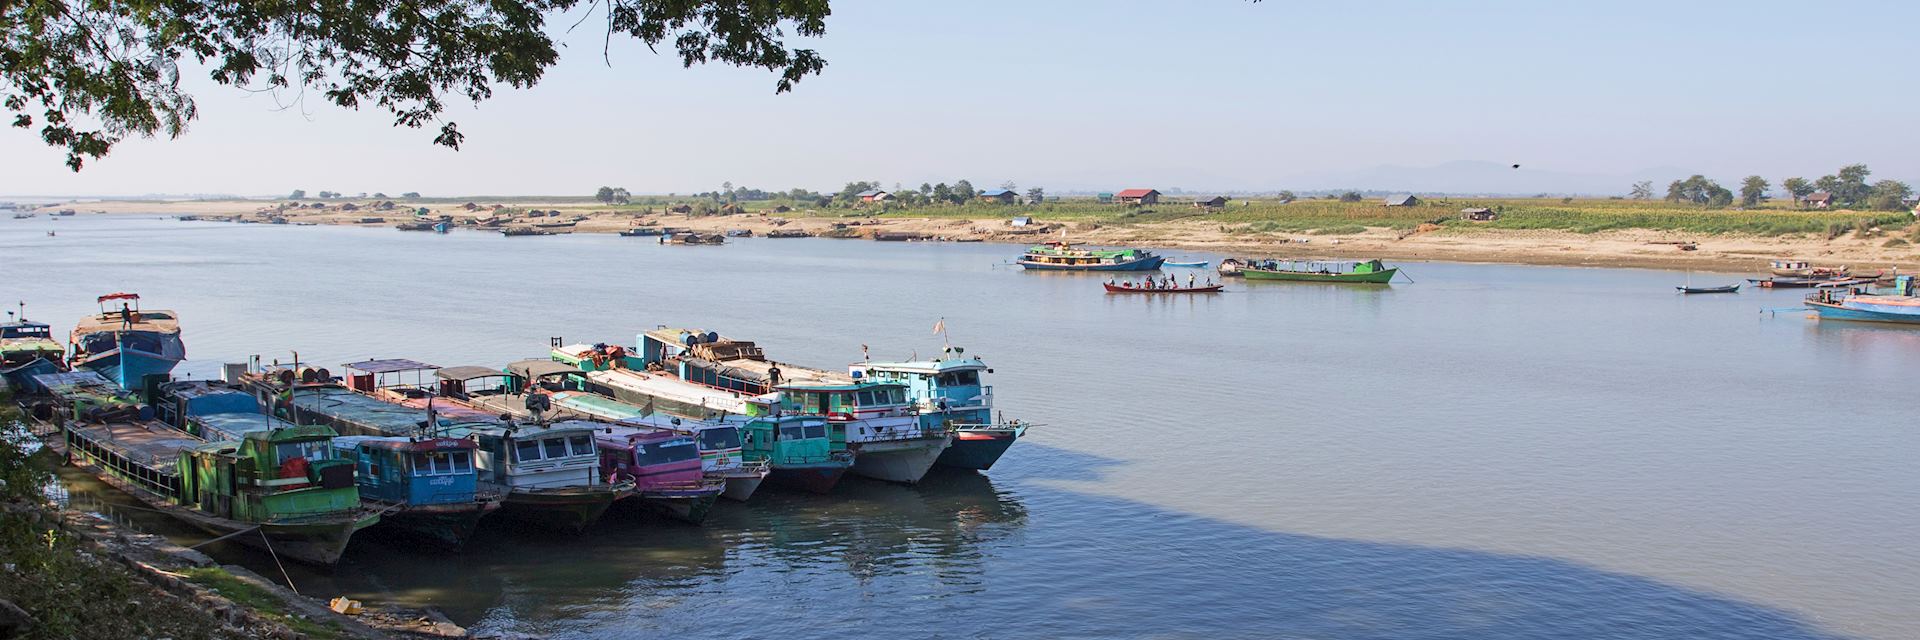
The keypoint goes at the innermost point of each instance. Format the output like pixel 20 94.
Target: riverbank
pixel 1357 231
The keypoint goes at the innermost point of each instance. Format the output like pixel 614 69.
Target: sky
pixel 1076 96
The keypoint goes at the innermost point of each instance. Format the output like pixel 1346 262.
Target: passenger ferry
pixel 1060 256
pixel 947 392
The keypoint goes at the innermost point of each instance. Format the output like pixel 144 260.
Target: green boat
pixel 275 489
pixel 1363 272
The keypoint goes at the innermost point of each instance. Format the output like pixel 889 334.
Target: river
pixel 1488 451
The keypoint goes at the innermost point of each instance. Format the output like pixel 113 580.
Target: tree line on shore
pixel 1847 187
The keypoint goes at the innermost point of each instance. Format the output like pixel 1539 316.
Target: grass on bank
pixel 262 602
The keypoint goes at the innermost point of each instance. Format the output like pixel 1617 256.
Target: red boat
pixel 1121 288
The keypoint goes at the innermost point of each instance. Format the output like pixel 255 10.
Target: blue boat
pixel 1060 256
pixel 948 392
pixel 27 349
pixel 425 487
pixel 1197 264
pixel 441 227
pixel 128 345
pixel 1901 307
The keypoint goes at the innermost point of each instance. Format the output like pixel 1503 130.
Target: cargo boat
pixel 1327 271
pixel 547 476
pixel 948 393
pixel 128 345
pixel 277 489
pixel 1903 307
pixel 875 419
pixel 27 349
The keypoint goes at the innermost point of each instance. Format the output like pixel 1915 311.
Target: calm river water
pixel 1491 451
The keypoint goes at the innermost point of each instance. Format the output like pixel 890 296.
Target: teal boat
pixel 1060 256
pixel 948 393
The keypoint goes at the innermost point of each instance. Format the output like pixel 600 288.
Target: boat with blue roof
pixel 948 393
pixel 1897 304
pixel 128 345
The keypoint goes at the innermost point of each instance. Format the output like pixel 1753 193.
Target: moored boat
pixel 637 232
pixel 128 345
pixel 428 488
pixel 1732 288
pixel 1803 269
pixel 1187 264
pixel 1832 304
pixel 27 349
pixel 948 392
pixel 1060 256
pixel 664 467
pixel 1808 283
pixel 1327 271
pixel 277 489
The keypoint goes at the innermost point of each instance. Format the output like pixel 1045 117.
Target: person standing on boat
pixel 1189 281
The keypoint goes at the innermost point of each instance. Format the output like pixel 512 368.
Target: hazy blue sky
pixel 1202 94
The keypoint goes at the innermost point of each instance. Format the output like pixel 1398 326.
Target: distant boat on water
pixel 1060 256
pixel 1901 306
pixel 1732 288
pixel 1802 269
pixel 1340 272
pixel 1195 264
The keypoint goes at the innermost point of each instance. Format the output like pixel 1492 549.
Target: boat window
pixel 792 432
pixel 721 438
pixel 960 379
pixel 312 450
pixel 675 450
pixel 434 463
pixel 582 445
pixel 463 462
pixel 816 430
pixel 556 447
pixel 526 450
pixel 865 398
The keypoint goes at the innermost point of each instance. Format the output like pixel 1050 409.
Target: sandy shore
pixel 1631 248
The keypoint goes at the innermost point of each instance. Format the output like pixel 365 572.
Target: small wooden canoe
pixel 1114 288
pixel 1197 264
pixel 1732 288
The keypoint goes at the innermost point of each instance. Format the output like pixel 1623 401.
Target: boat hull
pixel 1145 264
pixel 976 450
pixel 903 461
pixel 20 377
pixel 127 367
pixel 812 477
pixel 446 526
pixel 741 488
pixel 1208 289
pixel 1377 277
pixel 691 506
pixel 566 510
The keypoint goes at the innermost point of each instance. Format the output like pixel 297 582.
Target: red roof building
pixel 1138 196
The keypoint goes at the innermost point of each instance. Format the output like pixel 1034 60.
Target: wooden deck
pixel 148 444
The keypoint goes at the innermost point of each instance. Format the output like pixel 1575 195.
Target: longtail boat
pixel 547 476
pixel 1060 256
pixel 947 392
pixel 127 344
pixel 1128 287
pixel 277 489
pixel 875 419
pixel 1732 288
pixel 1343 272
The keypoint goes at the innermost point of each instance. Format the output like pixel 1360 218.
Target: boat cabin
pixel 791 440
pixel 520 457
pixel 948 388
pixel 717 440
pixel 28 349
pixel 653 459
pixel 707 358
pixel 414 471
pixel 283 473
pixel 393 378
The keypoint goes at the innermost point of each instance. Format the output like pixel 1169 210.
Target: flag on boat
pixel 939 326
pixel 647 410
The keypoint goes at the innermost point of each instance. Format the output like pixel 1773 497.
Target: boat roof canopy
pixel 400 443
pixel 119 296
pixel 468 372
pixel 535 368
pixel 389 366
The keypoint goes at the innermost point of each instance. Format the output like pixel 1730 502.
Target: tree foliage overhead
pixel 89 73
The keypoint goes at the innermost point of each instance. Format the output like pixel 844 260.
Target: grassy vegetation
pixel 259 600
pixel 1333 217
